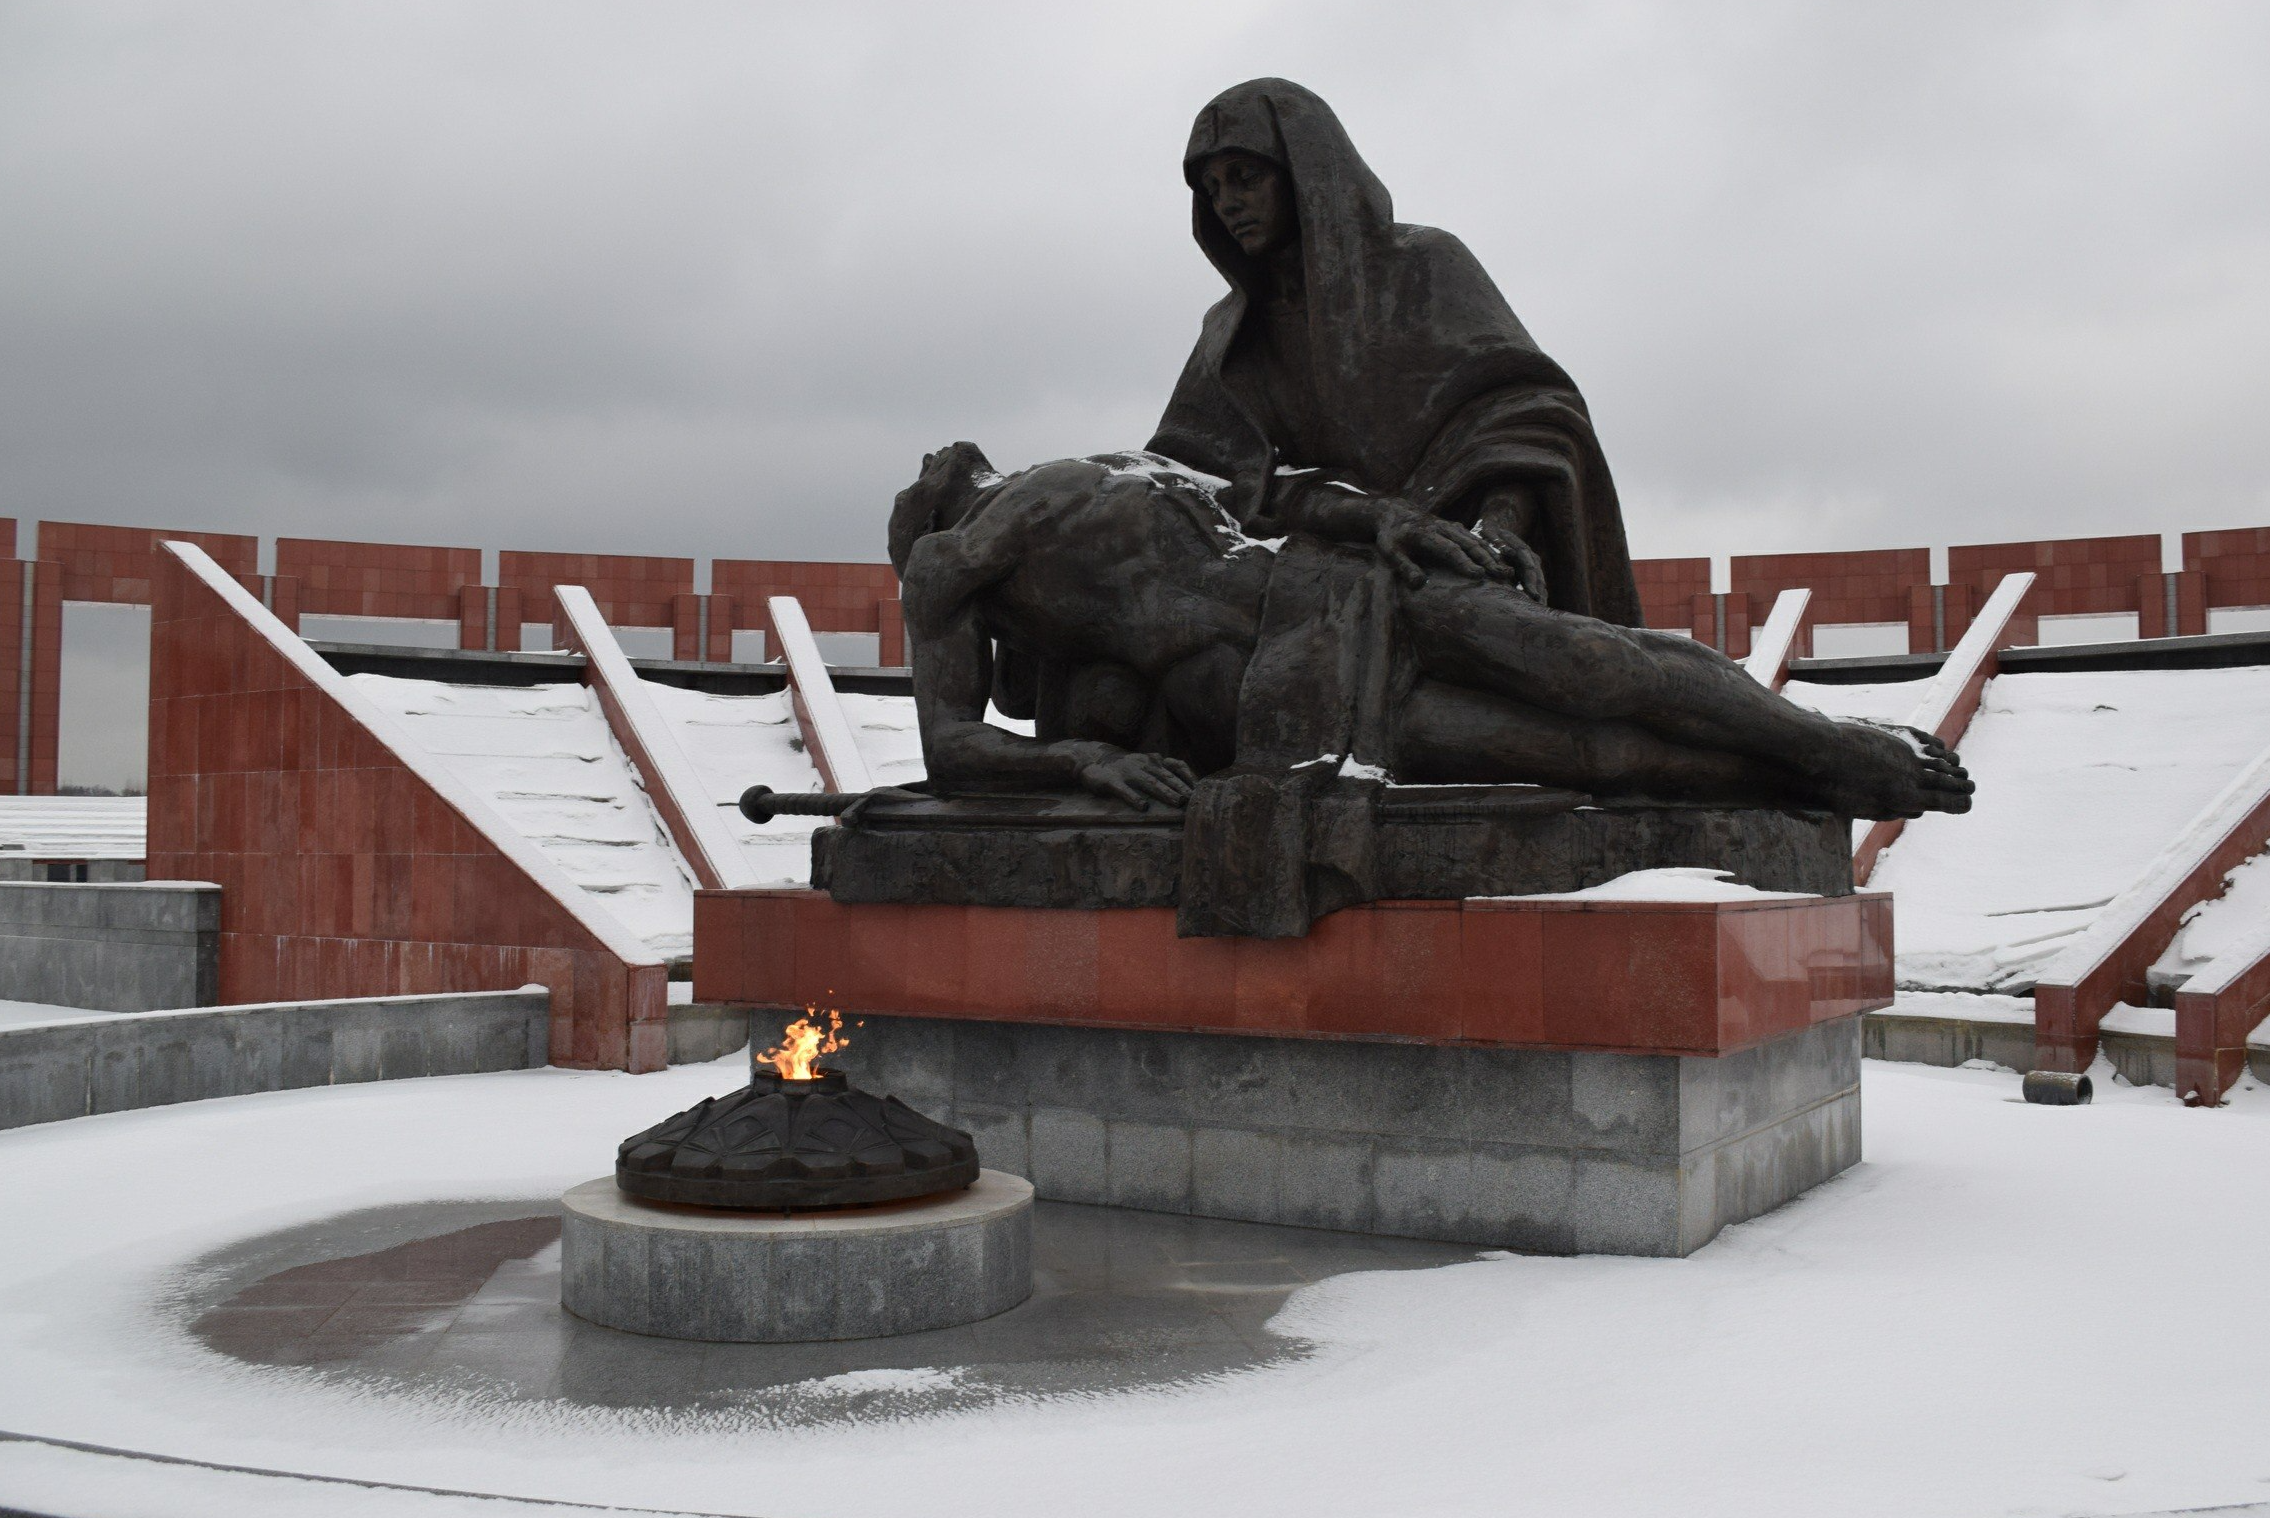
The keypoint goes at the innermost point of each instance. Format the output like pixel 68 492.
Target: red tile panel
pixel 685 626
pixel 632 590
pixel 1870 585
pixel 1659 977
pixel 2072 576
pixel 472 616
pixel 1667 588
pixel 12 576
pixel 99 563
pixel 890 647
pixel 281 595
pixel 1922 633
pixel 379 579
pixel 2211 1033
pixel 2234 564
pixel 46 705
pixel 510 614
pixel 835 597
pixel 1738 624
pixel 343 872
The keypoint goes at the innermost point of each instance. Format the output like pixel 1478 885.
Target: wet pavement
pixel 464 1297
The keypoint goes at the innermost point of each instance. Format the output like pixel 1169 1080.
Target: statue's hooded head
pixel 1332 200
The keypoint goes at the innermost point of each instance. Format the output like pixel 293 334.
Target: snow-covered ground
pixel 545 758
pixel 2082 778
pixel 1996 1313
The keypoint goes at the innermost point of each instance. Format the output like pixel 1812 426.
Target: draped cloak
pixel 1422 383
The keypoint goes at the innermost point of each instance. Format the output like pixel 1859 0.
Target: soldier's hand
pixel 1141 779
pixel 1523 567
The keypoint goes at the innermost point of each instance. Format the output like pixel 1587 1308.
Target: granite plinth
pixel 1549 1151
pixel 1431 842
pixel 767 1278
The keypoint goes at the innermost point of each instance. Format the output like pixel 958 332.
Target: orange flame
pixel 802 1043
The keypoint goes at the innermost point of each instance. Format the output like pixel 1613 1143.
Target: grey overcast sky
pixel 709 278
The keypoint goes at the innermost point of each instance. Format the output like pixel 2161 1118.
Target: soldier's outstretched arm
pixel 953 675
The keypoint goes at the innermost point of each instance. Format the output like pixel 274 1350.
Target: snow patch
pixel 1675 883
pixel 2155 1022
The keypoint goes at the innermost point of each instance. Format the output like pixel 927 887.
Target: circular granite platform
pixel 768 1278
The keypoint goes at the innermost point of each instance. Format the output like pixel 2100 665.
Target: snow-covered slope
pixel 739 741
pixel 544 757
pixel 1891 701
pixel 888 739
pixel 2081 779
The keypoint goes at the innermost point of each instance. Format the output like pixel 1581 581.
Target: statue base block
pixel 1428 842
pixel 1560 1076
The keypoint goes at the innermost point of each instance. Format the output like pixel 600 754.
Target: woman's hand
pixel 1140 779
pixel 1411 542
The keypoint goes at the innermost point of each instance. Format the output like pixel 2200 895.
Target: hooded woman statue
pixel 1356 352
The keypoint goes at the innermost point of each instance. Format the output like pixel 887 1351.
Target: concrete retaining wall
pixel 1563 1153
pixel 110 948
pixel 114 1063
pixel 2143 1059
pixel 1947 1041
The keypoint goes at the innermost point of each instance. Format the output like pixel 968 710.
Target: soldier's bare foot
pixel 1878 771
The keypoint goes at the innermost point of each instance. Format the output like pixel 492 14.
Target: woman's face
pixel 1251 197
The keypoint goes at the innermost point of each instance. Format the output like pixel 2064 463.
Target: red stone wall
pixel 2233 565
pixel 380 579
pixel 836 597
pixel 890 646
pixel 118 564
pixel 343 872
pixel 12 576
pixel 1667 590
pixel 632 590
pixel 2072 575
pixel 46 712
pixel 1866 585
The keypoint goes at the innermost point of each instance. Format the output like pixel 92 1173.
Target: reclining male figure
pixel 1123 573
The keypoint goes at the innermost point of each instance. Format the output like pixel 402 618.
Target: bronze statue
pixel 1374 540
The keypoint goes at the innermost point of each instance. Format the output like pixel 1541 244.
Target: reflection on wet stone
pixel 465 1297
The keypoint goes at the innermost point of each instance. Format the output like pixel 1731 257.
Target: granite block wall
pixel 79 1066
pixel 110 948
pixel 1562 1152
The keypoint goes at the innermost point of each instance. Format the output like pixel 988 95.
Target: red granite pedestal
pixel 1541 1073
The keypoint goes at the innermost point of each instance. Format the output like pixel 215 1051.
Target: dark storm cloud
pixel 710 278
